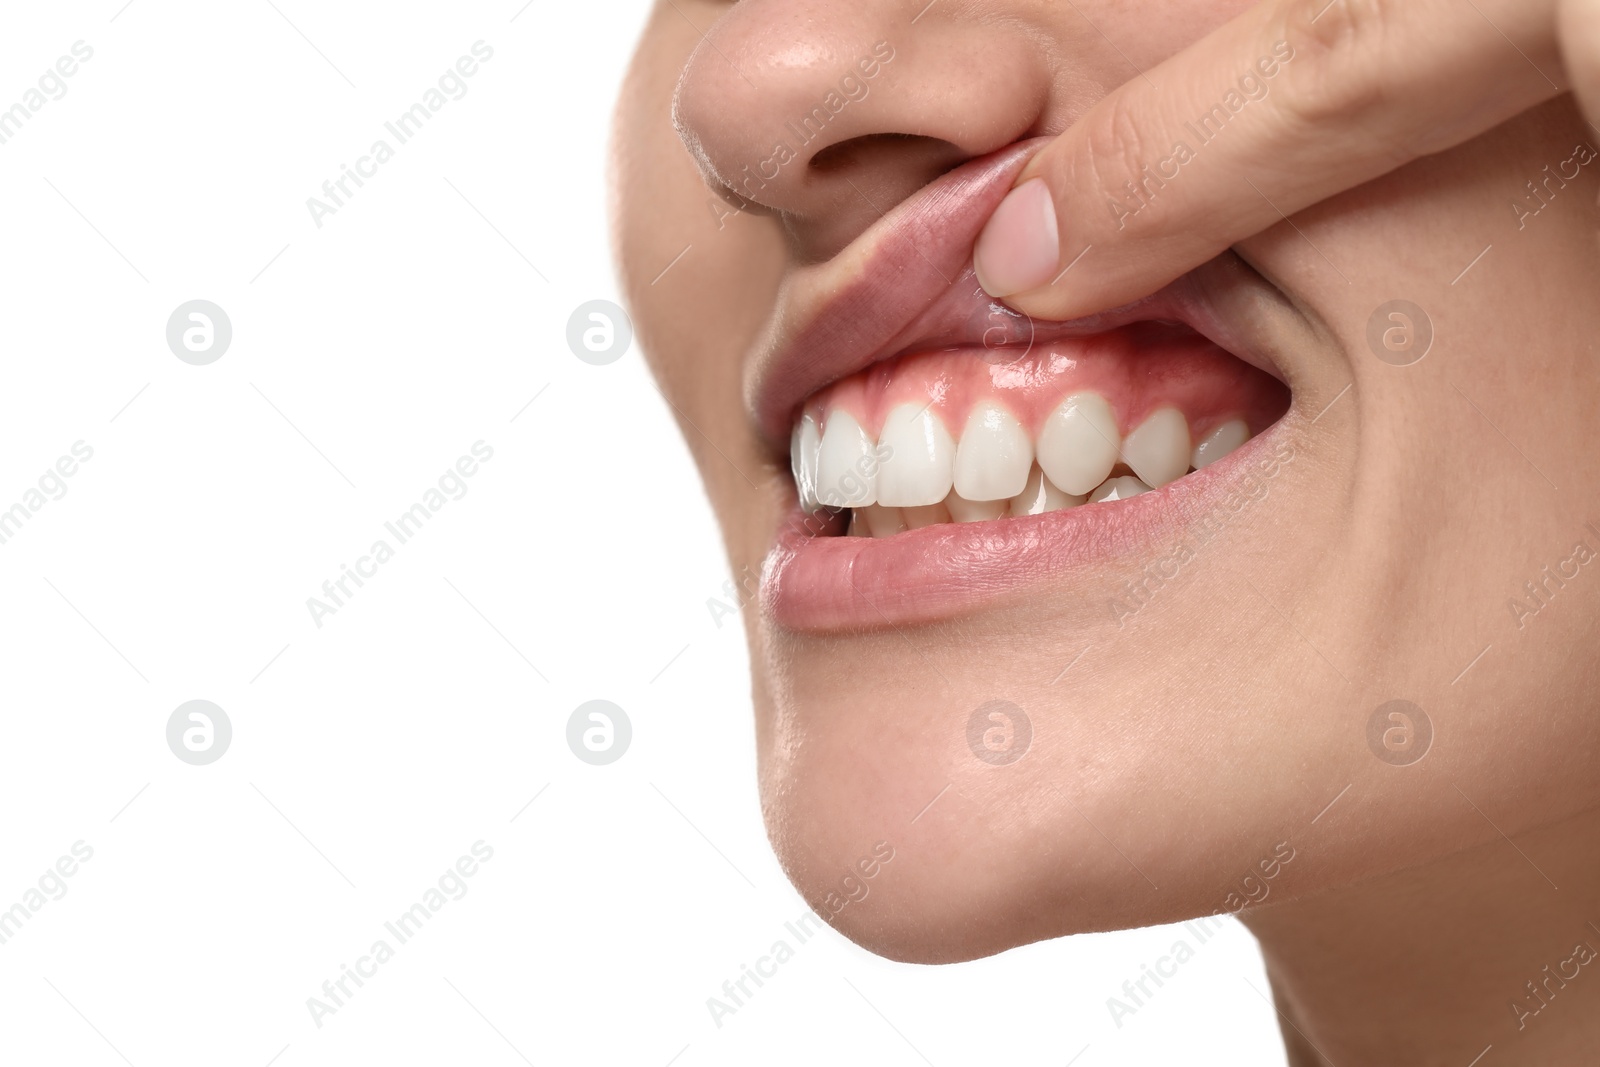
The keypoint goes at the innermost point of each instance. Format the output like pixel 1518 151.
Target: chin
pixel 933 820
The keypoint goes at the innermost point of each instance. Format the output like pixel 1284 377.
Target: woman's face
pixel 1080 716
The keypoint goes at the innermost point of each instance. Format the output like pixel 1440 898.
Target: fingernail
pixel 1019 248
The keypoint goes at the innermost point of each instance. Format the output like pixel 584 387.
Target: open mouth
pixel 973 436
pixel 945 449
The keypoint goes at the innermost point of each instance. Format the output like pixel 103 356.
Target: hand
pixel 1288 104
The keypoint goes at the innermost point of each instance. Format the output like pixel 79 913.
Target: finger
pixel 1288 104
pixel 1579 25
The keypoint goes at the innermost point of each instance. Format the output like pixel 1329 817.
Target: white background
pixel 372 752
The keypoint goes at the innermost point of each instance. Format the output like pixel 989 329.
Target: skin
pixel 1363 98
pixel 1222 719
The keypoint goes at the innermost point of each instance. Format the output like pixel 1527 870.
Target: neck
pixel 1435 964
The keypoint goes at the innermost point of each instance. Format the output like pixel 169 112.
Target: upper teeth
pixel 1079 442
pixel 803 449
pixel 847 473
pixel 1158 448
pixel 994 456
pixel 920 468
pixel 994 467
pixel 1041 495
pixel 1218 443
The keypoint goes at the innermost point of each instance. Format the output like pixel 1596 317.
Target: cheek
pixel 698 281
pixel 1422 564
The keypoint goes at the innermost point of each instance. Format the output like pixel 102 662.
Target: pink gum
pixel 1137 368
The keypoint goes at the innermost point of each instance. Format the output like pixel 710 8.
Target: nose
pixel 830 112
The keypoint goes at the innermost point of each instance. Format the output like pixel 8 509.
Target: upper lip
pixel 907 284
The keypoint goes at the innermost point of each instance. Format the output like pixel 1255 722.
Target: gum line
pixel 1137 369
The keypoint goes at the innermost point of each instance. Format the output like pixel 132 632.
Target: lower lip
pixel 828 584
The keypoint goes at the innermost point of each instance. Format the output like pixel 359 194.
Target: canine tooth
pixel 803 446
pixel 964 510
pixel 1040 496
pixel 1118 489
pixel 927 515
pixel 881 521
pixel 918 469
pixel 845 453
pixel 1078 444
pixel 994 455
pixel 1158 448
pixel 1219 442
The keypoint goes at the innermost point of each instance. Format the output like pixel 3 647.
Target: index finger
pixel 1288 104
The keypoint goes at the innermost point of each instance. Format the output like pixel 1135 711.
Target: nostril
pixel 846 153
pixel 927 155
